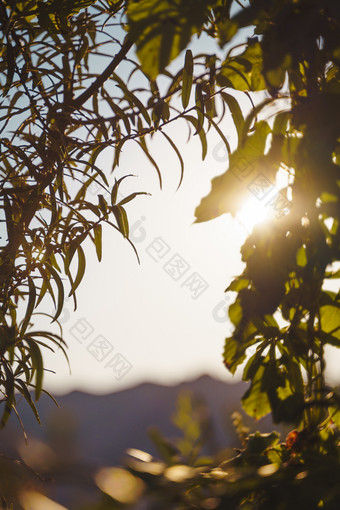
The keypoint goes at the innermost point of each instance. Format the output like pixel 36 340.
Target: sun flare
pixel 252 213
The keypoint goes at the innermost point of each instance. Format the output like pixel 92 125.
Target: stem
pixel 100 80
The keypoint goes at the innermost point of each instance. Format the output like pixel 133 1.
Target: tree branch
pixel 100 80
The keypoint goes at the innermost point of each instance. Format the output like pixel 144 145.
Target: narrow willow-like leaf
pixel 187 78
pixel 98 240
pixel 121 218
pixel 178 155
pixel 59 283
pixel 81 270
pixel 45 286
pixel 118 149
pixel 8 384
pixel 236 113
pixel 220 132
pixel 118 111
pixel 132 196
pixel 199 107
pixel 153 162
pixel 115 188
pixel 200 132
pixel 32 294
pixel 21 386
pixel 37 365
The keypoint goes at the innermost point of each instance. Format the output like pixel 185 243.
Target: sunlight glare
pixel 252 213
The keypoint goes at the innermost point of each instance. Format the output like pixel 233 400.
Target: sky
pixel 167 315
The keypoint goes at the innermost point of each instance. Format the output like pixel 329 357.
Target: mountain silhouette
pixel 90 431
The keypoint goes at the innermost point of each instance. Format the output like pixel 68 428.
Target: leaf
pixel 98 240
pixel 301 256
pixel 122 220
pixel 60 287
pixel 255 401
pixel 32 294
pixel 244 72
pixel 187 78
pixel 115 188
pixel 132 196
pixel 10 65
pixel 165 448
pixel 133 99
pixel 226 29
pixel 199 107
pixel 330 320
pixel 81 269
pixel 8 384
pixel 220 132
pixel 281 123
pixel 153 162
pixel 257 443
pixel 21 386
pixel 178 155
pixel 45 286
pixel 163 28
pixel 236 113
pixel 37 365
pixel 118 149
pixel 238 284
pixel 233 354
pixel 200 133
pixel 229 190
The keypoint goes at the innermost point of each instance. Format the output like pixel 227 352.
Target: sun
pixel 252 213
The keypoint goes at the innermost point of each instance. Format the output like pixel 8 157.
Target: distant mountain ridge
pixel 104 426
pixel 90 431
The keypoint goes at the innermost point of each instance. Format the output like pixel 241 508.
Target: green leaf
pixel 178 155
pixel 81 269
pixel 187 78
pixel 200 133
pixel 32 294
pixel 21 386
pixel 330 320
pixel 199 107
pixel 233 354
pixel 220 132
pixel 45 286
pixel 226 29
pixel 236 113
pixel 230 189
pixel 98 240
pixel 60 287
pixel 238 284
pixel 121 218
pixel 132 196
pixel 244 72
pixel 255 401
pixel 281 123
pixel 165 448
pixel 10 67
pixel 301 256
pixel 8 383
pixel 37 365
pixel 152 161
pixel 163 28
pixel 257 443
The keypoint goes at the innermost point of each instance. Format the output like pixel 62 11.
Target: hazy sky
pixel 167 315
